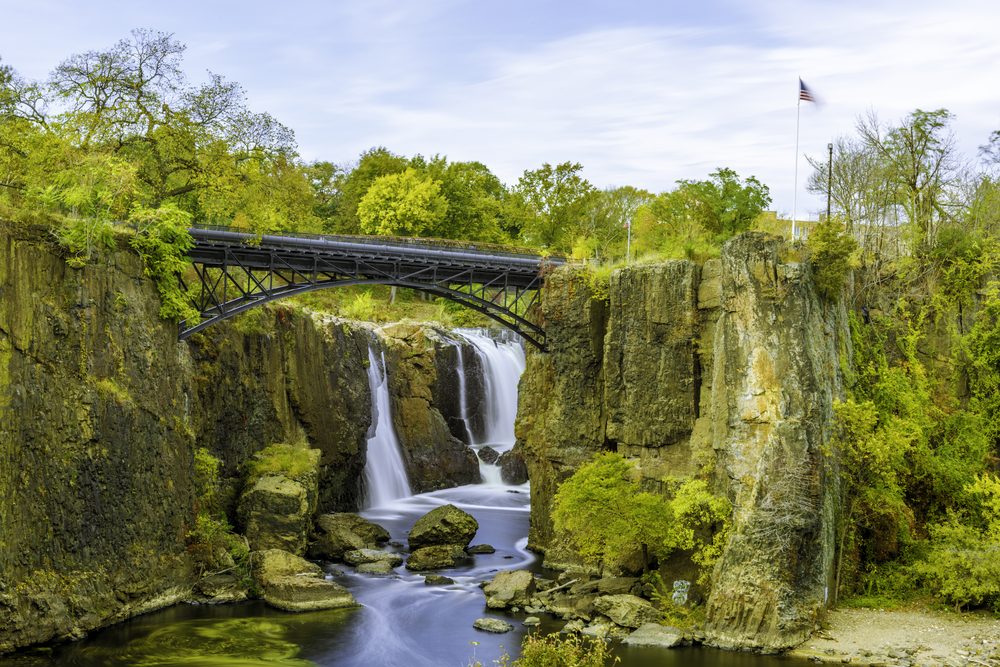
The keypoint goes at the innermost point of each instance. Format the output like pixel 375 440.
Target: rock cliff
pixel 727 370
pixel 96 442
pixel 101 409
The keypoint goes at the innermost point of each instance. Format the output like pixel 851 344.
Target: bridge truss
pixel 237 271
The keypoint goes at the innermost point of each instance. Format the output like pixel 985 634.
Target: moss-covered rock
pixel 509 589
pixel 436 557
pixel 338 533
pixel 443 525
pixel 294 584
pixel 285 375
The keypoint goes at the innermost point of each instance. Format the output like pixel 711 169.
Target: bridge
pixel 237 271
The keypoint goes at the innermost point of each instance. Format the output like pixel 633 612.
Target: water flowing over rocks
pixel 729 371
pixel 435 458
pixel 101 410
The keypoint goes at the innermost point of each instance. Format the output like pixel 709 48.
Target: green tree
pixel 196 146
pixel 407 204
pixel 831 252
pixel 352 184
pixel 475 200
pixel 724 205
pixel 605 221
pixel 558 199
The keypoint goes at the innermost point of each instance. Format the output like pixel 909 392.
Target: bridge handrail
pixel 400 242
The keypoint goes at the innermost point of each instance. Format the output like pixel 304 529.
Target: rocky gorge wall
pixel 101 410
pixel 727 370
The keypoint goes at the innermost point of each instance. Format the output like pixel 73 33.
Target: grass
pixel 292 461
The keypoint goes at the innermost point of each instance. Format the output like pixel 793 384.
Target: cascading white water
pixel 503 363
pixel 385 474
pixel 463 397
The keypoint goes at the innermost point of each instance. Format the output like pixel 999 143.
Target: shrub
pixel 163 241
pixel 963 565
pixel 611 521
pixel 832 251
pixel 538 650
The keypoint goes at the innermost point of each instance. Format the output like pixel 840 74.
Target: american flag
pixel 805 93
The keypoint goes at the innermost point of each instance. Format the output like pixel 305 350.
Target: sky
pixel 640 93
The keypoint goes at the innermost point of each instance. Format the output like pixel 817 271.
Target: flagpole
pixel 795 191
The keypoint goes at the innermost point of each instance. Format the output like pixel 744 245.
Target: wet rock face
pixel 470 427
pixel 434 457
pixel 96 465
pixel 729 367
pixel 513 469
pixel 283 376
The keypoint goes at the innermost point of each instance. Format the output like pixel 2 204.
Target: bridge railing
pixel 402 242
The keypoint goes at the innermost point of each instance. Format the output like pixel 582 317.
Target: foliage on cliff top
pixel 832 253
pixel 613 523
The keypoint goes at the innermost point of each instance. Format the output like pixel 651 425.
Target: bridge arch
pixel 238 271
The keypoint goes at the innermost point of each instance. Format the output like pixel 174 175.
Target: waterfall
pixel 385 474
pixel 463 397
pixel 503 362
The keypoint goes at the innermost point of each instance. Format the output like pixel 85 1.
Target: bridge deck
pixel 254 270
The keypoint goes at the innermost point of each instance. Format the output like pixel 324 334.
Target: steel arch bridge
pixel 237 271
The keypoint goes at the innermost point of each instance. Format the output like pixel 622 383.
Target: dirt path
pixel 905 639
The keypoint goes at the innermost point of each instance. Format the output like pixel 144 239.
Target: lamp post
pixel 829 178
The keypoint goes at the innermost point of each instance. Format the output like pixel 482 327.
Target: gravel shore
pixel 905 639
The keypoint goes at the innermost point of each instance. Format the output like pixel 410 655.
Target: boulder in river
pixel 654 634
pixel 362 556
pixel 488 455
pixel 341 532
pixel 294 584
pixel 496 625
pixel 443 525
pixel 509 589
pixel 513 469
pixel 383 567
pixel 437 580
pixel 628 611
pixel 436 557
pixel 482 549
